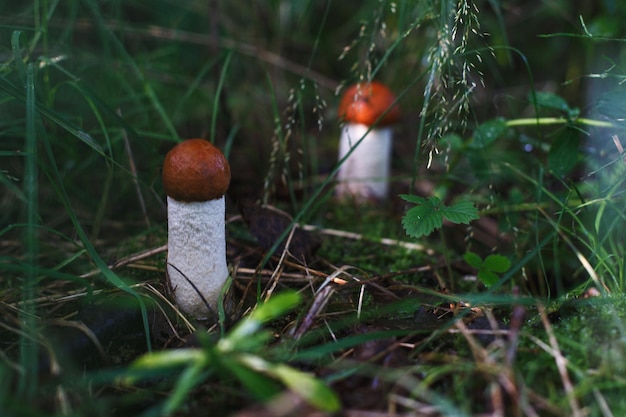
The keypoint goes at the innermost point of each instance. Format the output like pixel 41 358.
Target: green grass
pixel 522 118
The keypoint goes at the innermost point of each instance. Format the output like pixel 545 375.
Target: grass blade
pixel 28 345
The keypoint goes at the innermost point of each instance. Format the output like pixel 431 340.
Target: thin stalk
pixel 534 121
pixel 216 101
pixel 28 345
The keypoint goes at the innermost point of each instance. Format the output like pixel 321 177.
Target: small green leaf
pixel 486 133
pixel 550 101
pixel 311 389
pixel 611 105
pixel 564 152
pixel 429 213
pixel 308 387
pixel 489 268
pixel 169 359
pixel 473 260
pixel 260 385
pixel 413 199
pixel 153 363
pixel 496 263
pixel 276 306
pixel 191 377
pixel 487 277
pixel 461 212
pixel 421 220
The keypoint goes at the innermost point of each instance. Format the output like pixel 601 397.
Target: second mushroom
pixel 368 110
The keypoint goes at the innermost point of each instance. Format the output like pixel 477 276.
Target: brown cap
pixel 365 102
pixel 195 170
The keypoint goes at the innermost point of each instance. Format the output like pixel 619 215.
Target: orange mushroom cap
pixel 365 102
pixel 195 170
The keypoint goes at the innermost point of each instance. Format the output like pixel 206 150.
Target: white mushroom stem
pixel 197 248
pixel 364 174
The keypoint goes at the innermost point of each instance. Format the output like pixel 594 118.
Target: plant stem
pixel 557 120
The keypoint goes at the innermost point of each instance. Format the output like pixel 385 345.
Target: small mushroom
pixel 196 176
pixel 364 174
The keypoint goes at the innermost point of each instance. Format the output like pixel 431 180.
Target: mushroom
pixel 196 176
pixel 368 110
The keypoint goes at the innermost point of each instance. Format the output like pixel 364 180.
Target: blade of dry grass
pixel 561 365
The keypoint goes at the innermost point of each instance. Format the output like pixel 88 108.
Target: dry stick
pixel 82 327
pixel 279 268
pixel 604 406
pixel 419 407
pixel 619 147
pixel 481 356
pixel 504 375
pixel 534 396
pixel 357 236
pixel 319 302
pixel 251 273
pixel 133 170
pixel 323 295
pixel 517 320
pixel 561 364
pixel 190 327
pixel 129 259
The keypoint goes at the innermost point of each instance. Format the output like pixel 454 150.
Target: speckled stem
pixel 196 247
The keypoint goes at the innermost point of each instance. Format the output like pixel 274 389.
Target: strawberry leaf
pixel 497 263
pixel 473 260
pixel 413 199
pixel 487 133
pixel 429 213
pixel 422 219
pixel 487 277
pixel 462 212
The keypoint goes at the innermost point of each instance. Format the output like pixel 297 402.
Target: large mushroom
pixel 196 176
pixel 368 111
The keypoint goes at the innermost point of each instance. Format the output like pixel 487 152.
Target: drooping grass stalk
pixel 100 212
pixel 448 86
pixel 218 91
